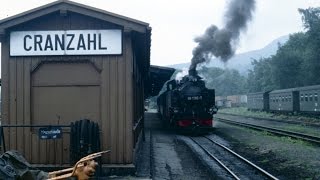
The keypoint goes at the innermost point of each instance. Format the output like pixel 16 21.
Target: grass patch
pixel 265 161
pixel 244 112
pixel 302 129
pixel 285 139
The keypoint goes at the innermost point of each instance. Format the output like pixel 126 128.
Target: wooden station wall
pixel 51 90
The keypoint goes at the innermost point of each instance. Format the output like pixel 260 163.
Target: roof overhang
pixel 64 6
pixel 158 76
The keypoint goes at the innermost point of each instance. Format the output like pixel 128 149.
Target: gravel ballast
pixel 284 157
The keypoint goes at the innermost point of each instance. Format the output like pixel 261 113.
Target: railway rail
pixel 306 137
pixel 310 124
pixel 231 166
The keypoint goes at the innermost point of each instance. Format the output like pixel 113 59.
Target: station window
pixel 310 97
pixel 315 96
pixel 301 97
pixel 306 97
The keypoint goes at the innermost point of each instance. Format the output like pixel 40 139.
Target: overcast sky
pixel 175 23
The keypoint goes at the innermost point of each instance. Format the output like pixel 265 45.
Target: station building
pixel 65 61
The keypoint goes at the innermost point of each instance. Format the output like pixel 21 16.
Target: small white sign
pixel 70 42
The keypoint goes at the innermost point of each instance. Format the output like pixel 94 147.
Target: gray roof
pixel 315 87
pixel 66 5
pixel 284 90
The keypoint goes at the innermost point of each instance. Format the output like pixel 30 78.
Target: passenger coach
pixel 300 100
pixel 309 100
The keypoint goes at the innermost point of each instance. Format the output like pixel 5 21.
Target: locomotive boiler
pixel 187 104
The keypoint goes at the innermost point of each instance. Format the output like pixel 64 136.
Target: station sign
pixel 68 42
pixel 50 133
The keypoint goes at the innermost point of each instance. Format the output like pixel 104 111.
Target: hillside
pixel 242 61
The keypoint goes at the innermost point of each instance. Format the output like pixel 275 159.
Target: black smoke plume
pixel 222 43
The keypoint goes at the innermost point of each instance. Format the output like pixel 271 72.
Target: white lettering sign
pixel 72 42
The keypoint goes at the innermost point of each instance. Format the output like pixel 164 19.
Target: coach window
pixel 306 97
pixel 315 96
pixel 310 97
pixel 301 97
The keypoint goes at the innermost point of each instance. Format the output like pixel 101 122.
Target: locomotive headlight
pixel 213 109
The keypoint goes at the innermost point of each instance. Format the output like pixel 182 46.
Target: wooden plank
pixel 35 149
pixel 42 151
pixel 58 145
pixel 121 107
pixel 105 109
pixel 51 151
pixel 27 107
pixel 129 102
pixel 66 149
pixel 5 115
pixel 113 110
pixel 20 105
pixel 13 103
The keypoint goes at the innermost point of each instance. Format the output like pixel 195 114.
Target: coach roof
pixel 65 6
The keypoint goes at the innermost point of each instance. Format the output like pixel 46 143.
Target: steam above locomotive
pixel 187 103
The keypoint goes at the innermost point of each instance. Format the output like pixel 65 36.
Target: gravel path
pixel 172 160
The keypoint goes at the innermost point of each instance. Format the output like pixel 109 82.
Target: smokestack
pixel 222 43
pixel 193 72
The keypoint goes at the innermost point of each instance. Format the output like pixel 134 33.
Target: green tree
pixel 311 64
pixel 224 81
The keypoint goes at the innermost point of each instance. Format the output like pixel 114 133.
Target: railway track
pixel 309 124
pixel 235 165
pixel 296 135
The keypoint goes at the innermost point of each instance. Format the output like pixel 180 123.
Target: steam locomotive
pixel 187 104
